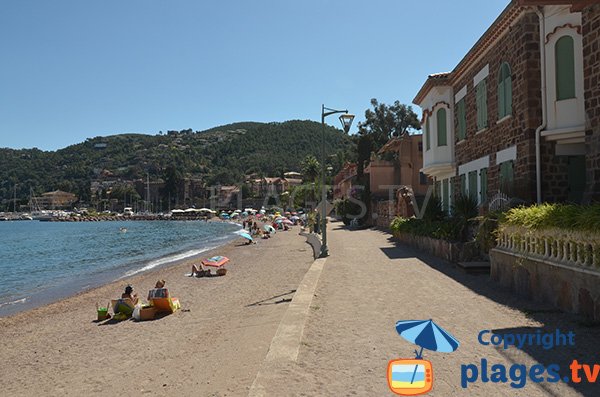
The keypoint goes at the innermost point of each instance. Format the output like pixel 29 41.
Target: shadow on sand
pixel 587 335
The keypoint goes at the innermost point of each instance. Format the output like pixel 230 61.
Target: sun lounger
pixel 123 305
pixel 159 298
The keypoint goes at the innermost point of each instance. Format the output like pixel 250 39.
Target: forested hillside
pixel 219 155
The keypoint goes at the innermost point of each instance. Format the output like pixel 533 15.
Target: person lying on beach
pixel 128 294
pixel 199 271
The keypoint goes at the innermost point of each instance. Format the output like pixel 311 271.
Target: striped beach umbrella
pixel 428 335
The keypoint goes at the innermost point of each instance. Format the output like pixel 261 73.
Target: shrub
pixel 443 230
pixel 560 216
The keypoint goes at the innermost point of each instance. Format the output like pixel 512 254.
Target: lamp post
pixel 346 120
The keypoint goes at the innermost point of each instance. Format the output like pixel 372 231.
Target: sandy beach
pixel 213 347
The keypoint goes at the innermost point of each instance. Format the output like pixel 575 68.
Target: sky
pixel 71 70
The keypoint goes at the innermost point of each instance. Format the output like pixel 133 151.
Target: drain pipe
pixel 538 160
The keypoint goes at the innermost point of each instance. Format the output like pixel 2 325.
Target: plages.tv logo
pixel 411 377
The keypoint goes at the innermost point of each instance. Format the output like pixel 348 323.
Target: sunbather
pixel 199 271
pixel 128 294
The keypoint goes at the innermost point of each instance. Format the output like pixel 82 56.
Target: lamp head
pixel 346 120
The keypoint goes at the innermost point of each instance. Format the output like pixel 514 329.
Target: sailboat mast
pixel 147 191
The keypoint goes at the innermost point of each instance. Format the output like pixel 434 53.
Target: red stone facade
pixel 520 48
pixel 591 66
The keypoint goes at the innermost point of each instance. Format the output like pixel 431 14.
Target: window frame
pixel 564 69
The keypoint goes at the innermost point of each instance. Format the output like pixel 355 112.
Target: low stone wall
pixel 571 289
pixel 452 252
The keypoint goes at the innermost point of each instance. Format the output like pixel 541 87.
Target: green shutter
pixel 501 101
pixel 441 127
pixel 508 94
pixel 438 188
pixel 473 184
pixel 483 181
pixel 565 68
pixel 427 135
pixel 504 91
pixel 462 119
pixel 463 184
pixel 507 177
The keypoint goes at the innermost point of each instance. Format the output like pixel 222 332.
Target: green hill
pixel 222 155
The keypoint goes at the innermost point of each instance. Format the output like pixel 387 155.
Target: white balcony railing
pixel 570 248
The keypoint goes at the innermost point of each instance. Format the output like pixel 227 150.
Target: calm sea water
pixel 44 261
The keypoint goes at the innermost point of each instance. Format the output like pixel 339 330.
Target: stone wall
pixel 569 289
pixel 520 48
pixel 385 210
pixel 591 72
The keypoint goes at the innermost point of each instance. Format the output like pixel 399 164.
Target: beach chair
pixel 159 298
pixel 123 305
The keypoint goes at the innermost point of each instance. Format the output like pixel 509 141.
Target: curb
pixel 285 345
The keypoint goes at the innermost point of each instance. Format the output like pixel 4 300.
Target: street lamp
pixel 346 120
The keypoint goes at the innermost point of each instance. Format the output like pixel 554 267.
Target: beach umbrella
pixel 269 228
pixel 426 334
pixel 287 222
pixel 246 236
pixel 294 218
pixel 215 261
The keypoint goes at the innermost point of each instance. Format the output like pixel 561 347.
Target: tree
pixel 173 179
pixel 385 122
pixel 311 168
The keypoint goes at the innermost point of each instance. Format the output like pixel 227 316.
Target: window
pixel 461 115
pixel 427 135
pixel 473 184
pixel 422 178
pixel 504 91
pixel 441 127
pixel 565 68
pixel 438 189
pixel 481 94
pixel 483 182
pixel 507 177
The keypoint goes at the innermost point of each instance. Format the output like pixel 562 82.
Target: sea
pixel 41 262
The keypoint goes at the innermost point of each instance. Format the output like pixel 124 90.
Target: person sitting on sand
pixel 128 294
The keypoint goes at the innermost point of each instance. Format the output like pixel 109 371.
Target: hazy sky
pixel 70 70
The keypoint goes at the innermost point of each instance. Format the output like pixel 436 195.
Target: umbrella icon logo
pixel 411 377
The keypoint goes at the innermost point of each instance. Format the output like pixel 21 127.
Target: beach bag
pixel 137 312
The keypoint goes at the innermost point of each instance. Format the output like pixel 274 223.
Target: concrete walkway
pixel 368 283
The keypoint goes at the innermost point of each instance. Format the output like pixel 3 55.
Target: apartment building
pixel 519 113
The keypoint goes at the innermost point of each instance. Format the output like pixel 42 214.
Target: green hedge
pixel 561 216
pixel 444 230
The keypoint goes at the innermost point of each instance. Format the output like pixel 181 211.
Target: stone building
pixel 510 118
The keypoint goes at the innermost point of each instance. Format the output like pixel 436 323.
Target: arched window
pixel 565 68
pixel 441 127
pixel 504 91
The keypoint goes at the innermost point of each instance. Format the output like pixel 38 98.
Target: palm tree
pixel 310 168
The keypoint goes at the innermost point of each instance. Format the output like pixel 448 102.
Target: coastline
pixel 82 284
pixel 223 326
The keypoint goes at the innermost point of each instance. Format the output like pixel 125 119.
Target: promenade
pixel 369 282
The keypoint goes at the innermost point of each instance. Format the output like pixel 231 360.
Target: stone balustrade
pixel 571 248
